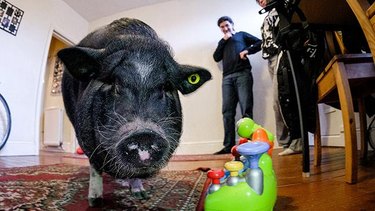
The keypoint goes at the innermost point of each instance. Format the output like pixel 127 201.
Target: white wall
pixel 190 28
pixel 332 127
pixel 23 63
pixel 188 25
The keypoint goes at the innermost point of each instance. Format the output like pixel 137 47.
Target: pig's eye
pixel 194 78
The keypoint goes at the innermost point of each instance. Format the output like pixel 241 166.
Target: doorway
pixel 57 133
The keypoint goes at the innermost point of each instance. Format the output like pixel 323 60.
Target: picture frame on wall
pixel 10 17
pixel 57 77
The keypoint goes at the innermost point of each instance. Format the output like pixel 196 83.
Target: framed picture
pixel 57 76
pixel 10 17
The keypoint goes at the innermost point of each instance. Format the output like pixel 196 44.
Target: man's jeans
pixel 236 88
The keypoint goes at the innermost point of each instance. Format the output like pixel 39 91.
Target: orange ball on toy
pixel 261 135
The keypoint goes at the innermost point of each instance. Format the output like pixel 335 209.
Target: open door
pixel 57 131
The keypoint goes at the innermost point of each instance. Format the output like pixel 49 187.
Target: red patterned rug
pixel 65 187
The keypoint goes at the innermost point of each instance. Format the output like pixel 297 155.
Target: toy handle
pixel 254 175
pixel 215 175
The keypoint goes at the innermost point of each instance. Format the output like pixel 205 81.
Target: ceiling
pixel 95 9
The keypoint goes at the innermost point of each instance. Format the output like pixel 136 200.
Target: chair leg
pixel 317 141
pixel 363 129
pixel 346 103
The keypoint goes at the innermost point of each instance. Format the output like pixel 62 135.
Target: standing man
pixel 272 53
pixel 237 84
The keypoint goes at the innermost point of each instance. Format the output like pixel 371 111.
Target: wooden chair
pixel 366 19
pixel 348 77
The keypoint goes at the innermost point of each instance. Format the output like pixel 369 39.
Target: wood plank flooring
pixel 325 189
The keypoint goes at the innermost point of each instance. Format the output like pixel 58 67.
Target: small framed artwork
pixel 57 76
pixel 10 17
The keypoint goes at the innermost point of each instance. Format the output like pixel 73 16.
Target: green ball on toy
pixel 271 137
pixel 245 127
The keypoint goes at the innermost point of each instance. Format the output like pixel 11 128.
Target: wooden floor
pixel 325 189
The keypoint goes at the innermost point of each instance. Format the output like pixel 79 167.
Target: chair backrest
pixel 365 14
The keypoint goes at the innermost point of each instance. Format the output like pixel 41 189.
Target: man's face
pixel 262 3
pixel 226 27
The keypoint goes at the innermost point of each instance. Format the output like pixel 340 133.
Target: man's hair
pixel 224 18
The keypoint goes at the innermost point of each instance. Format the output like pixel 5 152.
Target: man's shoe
pixel 223 151
pixel 289 151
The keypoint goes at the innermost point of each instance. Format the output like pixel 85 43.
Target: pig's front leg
pixel 95 188
pixel 136 187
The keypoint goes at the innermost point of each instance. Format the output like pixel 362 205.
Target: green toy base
pixel 241 197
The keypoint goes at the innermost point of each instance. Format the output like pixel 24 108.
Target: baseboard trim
pixel 199 147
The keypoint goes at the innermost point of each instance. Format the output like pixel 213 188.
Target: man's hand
pixel 243 54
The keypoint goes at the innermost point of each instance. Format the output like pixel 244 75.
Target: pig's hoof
pixel 145 195
pixel 141 195
pixel 95 202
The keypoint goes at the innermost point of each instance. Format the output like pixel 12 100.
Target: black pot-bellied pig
pixel 120 92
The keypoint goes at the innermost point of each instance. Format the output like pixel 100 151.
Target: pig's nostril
pixel 133 146
pixel 154 147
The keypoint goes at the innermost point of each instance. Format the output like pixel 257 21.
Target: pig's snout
pixel 143 149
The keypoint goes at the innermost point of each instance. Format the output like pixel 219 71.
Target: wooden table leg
pixel 346 103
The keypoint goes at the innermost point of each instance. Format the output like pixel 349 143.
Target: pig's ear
pixel 191 78
pixel 82 63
